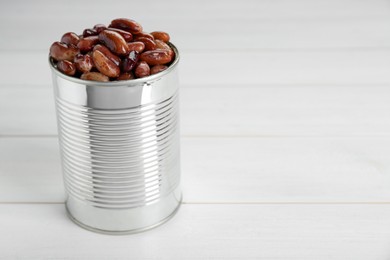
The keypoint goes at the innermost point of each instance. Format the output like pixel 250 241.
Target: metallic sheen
pixel 120 150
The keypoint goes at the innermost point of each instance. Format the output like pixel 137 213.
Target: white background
pixel 285 121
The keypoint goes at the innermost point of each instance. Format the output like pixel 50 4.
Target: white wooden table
pixel 285 118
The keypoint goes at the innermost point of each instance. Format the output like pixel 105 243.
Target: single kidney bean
pixel 149 43
pixel 157 68
pixel 86 44
pixel 136 46
pixel 95 76
pixel 142 70
pixel 105 65
pixel 62 51
pixel 70 38
pixel 126 35
pixel 83 63
pixel 103 49
pixel 99 27
pixel 144 34
pixel 156 57
pixel 127 25
pixel 162 36
pixel 129 62
pixel 125 76
pixel 66 67
pixel 114 41
pixel 160 45
pixel 89 32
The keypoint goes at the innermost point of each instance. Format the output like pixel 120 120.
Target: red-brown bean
pixel 70 38
pixel 126 76
pixel 86 44
pixel 129 62
pixel 62 51
pixel 156 57
pixel 149 43
pixel 144 34
pixel 162 36
pixel 136 46
pixel 105 65
pixel 157 68
pixel 142 70
pixel 99 27
pixel 66 67
pixel 126 35
pixel 83 63
pixel 114 41
pixel 127 25
pixel 160 45
pixel 103 49
pixel 89 32
pixel 95 76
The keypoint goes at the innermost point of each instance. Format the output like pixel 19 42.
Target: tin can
pixel 120 150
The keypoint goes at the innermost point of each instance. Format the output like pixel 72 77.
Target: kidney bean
pixel 99 27
pixel 83 63
pixel 95 76
pixel 120 51
pixel 105 65
pixel 129 62
pixel 86 44
pixel 126 35
pixel 144 34
pixel 127 25
pixel 156 57
pixel 103 49
pixel 157 68
pixel 136 46
pixel 125 76
pixel 89 32
pixel 162 36
pixel 160 45
pixel 149 44
pixel 62 51
pixel 114 41
pixel 70 38
pixel 66 67
pixel 142 70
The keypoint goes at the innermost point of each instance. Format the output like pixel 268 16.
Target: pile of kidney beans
pixel 121 51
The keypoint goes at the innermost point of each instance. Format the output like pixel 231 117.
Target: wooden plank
pixel 30 170
pixel 246 34
pixel 286 111
pixel 238 69
pixel 286 169
pixel 226 25
pixel 202 9
pixel 305 232
pixel 232 111
pixel 27 110
pixel 353 169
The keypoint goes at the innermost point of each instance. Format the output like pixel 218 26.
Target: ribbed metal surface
pixel 122 158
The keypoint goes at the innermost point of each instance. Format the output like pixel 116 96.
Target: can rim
pixel 120 83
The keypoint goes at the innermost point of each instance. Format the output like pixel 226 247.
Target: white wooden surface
pixel 285 123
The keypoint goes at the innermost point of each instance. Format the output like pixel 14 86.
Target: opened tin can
pixel 120 149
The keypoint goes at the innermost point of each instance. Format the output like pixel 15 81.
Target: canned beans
pixel 120 51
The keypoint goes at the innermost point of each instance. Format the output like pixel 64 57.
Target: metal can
pixel 120 150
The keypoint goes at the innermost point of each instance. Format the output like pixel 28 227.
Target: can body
pixel 120 150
